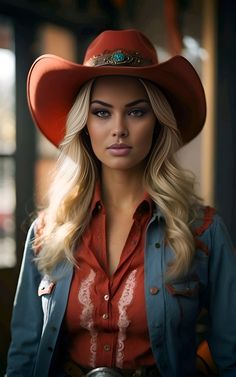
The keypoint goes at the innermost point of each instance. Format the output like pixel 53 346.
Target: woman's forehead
pixel 115 85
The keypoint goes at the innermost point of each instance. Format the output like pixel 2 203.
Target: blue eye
pixel 137 113
pixel 101 113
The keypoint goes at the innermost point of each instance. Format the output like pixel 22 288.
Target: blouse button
pixel 154 290
pixel 157 245
pixel 106 347
pixel 106 297
pixel 105 316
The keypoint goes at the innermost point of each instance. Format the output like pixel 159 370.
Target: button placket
pixel 105 306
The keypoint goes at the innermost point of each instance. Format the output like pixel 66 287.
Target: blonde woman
pixel 119 265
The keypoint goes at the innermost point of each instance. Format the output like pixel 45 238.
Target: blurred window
pixel 59 41
pixel 7 145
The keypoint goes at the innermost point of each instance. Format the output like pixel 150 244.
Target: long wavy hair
pixel 76 173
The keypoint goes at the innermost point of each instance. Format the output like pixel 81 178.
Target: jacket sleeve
pixel 27 318
pixel 222 299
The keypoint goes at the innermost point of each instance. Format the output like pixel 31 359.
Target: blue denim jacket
pixel 172 308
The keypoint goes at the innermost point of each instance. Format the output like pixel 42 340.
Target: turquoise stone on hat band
pixel 118 56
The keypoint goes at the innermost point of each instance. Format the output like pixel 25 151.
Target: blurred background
pixel 204 31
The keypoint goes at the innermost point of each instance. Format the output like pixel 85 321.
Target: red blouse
pixel 105 316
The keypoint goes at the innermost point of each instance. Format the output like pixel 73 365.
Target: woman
pixel 118 267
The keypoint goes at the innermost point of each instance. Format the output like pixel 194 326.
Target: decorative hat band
pixel 118 57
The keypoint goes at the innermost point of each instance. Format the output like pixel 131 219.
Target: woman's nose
pixel 119 127
pixel 120 133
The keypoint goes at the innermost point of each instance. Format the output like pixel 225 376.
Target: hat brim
pixel 54 82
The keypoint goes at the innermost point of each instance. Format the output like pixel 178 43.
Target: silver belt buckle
pixel 103 372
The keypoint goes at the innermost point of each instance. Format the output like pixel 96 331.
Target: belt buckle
pixel 103 372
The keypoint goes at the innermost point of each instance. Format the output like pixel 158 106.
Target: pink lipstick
pixel 119 149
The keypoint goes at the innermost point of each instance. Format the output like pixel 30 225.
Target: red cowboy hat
pixel 53 82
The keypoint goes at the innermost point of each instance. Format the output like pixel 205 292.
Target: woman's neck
pixel 121 190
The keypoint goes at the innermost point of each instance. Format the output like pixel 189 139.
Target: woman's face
pixel 120 122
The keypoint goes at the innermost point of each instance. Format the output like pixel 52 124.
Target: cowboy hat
pixel 53 82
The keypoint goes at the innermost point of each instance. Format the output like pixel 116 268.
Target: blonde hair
pixel 68 212
pixel 171 187
pixel 70 194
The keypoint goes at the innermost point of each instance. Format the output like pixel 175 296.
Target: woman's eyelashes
pixel 103 113
pixel 137 112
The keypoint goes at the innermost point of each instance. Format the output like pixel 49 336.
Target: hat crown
pixel 130 40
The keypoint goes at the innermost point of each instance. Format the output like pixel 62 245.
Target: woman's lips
pixel 119 149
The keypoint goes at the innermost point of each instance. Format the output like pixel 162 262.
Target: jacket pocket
pixel 183 301
pixel 186 289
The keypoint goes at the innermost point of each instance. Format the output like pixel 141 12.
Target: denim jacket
pixel 172 307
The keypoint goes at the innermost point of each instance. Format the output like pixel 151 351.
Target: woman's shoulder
pixel 204 219
pixel 210 232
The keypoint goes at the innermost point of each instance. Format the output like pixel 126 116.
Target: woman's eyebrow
pixel 138 101
pixel 100 103
pixel 133 103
